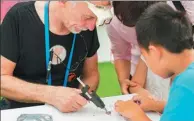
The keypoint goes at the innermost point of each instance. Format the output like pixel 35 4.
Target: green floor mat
pixel 109 85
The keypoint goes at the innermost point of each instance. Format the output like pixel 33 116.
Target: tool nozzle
pixel 107 112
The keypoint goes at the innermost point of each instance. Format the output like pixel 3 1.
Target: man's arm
pixel 90 72
pixel 17 89
pixel 65 99
pixel 12 87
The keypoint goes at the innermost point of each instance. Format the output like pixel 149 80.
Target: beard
pixel 73 30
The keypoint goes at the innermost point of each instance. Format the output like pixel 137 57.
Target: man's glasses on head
pixel 105 22
pixel 103 13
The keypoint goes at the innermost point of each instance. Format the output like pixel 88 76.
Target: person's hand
pixel 141 91
pixel 125 84
pixel 130 110
pixel 67 99
pixel 145 102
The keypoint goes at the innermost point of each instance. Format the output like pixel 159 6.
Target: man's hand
pixel 145 102
pixel 90 73
pixel 67 99
pixel 130 110
pixel 125 85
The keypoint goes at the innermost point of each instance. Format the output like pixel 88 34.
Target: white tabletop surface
pixel 88 113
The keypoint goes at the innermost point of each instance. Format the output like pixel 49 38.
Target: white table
pixel 88 113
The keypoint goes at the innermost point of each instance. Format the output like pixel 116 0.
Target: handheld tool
pixel 93 97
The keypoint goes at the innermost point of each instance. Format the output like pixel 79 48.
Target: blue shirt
pixel 180 105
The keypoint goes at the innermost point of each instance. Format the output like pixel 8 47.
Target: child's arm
pixel 158 106
pixel 131 111
pixel 140 74
pixel 140 91
pixel 140 78
pixel 149 103
pixel 141 118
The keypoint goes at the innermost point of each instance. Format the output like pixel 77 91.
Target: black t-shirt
pixel 23 42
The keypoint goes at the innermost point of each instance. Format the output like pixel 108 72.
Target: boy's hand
pixel 145 102
pixel 139 90
pixel 130 110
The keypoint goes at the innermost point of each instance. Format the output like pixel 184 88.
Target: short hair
pixel 128 12
pixel 161 25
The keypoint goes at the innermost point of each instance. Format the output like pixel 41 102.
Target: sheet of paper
pixel 89 113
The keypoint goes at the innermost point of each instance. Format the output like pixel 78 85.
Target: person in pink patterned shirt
pixel 188 6
pixel 126 53
pixel 127 58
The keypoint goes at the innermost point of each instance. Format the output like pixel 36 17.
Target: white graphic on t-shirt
pixel 59 54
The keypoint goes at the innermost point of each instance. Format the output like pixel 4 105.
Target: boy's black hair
pixel 128 12
pixel 162 25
